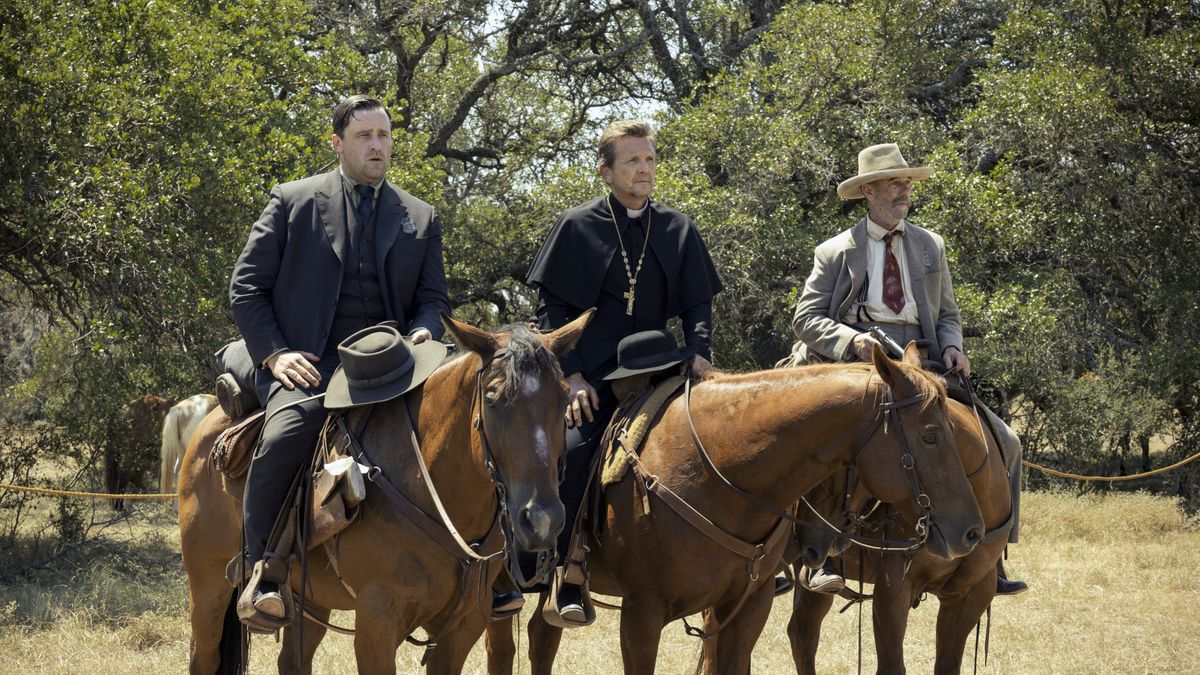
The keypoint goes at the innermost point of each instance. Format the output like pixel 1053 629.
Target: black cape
pixel 573 261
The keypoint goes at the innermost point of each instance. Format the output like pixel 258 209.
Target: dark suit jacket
pixel 286 283
pixel 839 271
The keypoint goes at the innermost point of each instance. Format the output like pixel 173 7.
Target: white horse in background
pixel 178 427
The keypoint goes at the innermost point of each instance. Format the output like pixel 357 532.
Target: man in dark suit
pixel 890 273
pixel 330 255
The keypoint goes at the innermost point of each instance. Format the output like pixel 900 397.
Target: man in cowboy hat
pixel 330 255
pixel 639 263
pixel 887 272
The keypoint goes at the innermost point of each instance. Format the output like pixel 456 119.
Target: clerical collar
pixel 635 214
pixel 349 183
pixel 877 232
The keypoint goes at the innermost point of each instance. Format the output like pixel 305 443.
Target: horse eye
pixel 930 435
pixel 491 395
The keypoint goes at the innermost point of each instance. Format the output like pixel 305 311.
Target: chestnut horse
pixel 964 586
pixel 776 435
pixel 497 408
pixel 130 451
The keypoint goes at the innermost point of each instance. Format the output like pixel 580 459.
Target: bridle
pixel 890 409
pixel 547 562
pixel 856 523
pixel 440 529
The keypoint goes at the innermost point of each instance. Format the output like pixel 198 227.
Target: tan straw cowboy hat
pixel 379 364
pixel 876 163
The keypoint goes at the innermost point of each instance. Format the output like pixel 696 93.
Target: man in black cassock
pixel 639 263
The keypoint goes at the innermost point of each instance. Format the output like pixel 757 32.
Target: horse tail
pixel 172 449
pixel 234 648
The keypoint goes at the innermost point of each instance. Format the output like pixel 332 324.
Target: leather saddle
pixel 337 486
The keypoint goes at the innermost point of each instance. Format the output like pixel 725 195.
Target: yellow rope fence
pixel 1111 479
pixel 93 495
pixel 1031 465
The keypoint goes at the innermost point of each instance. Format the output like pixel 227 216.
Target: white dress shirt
pixel 873 304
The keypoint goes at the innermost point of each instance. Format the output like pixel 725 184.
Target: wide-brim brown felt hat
pixel 648 352
pixel 379 364
pixel 877 163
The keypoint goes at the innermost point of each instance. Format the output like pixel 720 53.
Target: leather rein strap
pixel 891 408
pixel 442 529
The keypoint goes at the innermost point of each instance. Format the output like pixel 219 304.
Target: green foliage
pixel 144 138
pixel 1064 185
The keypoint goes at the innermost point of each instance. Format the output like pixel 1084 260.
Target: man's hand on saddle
pixel 862 345
pixel 295 369
pixel 700 366
pixel 956 361
pixel 582 400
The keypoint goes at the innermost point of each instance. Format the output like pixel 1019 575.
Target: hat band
pixel 372 382
pixel 896 167
pixel 651 360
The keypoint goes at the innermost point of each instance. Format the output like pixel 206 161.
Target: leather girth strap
pixel 755 554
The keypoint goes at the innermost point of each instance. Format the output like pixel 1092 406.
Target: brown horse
pixel 506 391
pixel 775 434
pixel 130 453
pixel 964 586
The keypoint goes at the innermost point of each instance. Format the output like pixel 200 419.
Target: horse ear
pixel 469 337
pixel 563 340
pixel 887 368
pixel 912 355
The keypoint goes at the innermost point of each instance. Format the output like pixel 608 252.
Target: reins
pixel 756 554
pixel 440 529
pixel 891 408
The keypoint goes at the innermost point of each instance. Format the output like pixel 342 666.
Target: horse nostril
pixel 973 536
pixel 535 519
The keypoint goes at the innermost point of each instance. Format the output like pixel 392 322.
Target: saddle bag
pixel 338 489
pixel 234 448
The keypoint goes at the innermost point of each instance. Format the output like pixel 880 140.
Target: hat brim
pixel 427 356
pixel 851 188
pixel 682 355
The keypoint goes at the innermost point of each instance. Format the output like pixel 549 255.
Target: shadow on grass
pixel 122 567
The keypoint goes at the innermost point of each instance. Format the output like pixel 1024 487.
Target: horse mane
pixel 527 355
pixel 932 385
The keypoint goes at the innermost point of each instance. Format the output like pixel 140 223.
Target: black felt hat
pixel 647 352
pixel 379 364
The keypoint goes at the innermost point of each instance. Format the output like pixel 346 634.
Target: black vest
pixel 360 301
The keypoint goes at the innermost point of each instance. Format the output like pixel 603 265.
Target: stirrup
pixel 252 606
pixel 823 581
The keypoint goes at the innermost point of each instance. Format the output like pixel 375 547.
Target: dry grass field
pixel 1114 590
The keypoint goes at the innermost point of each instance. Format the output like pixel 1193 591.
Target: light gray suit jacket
pixel 838 274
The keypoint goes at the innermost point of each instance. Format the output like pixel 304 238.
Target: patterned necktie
pixel 893 288
pixel 366 203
